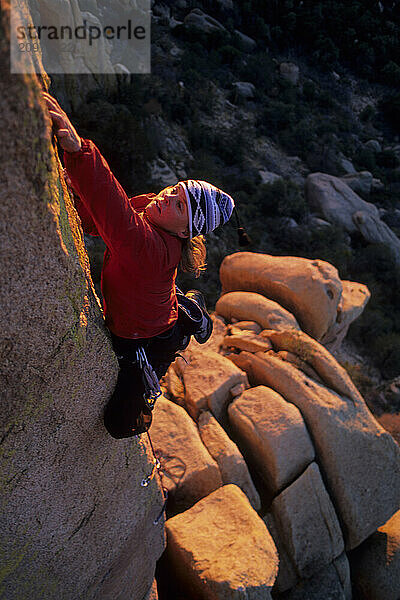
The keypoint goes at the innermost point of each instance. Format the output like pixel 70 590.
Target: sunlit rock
pixel 255 307
pixel 221 549
pixel 188 470
pixel 359 460
pixel 208 378
pixel 225 452
pixel 309 289
pixel 272 434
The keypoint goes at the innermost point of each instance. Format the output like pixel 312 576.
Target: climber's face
pixel 169 211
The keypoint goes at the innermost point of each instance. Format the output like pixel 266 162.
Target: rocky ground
pixel 262 425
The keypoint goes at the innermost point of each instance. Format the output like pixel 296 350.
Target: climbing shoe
pixel 205 327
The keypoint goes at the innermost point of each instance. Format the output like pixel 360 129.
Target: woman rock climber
pixel 146 238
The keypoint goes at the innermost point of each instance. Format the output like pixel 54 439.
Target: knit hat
pixel 208 206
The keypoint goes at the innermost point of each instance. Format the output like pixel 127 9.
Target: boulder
pixel 346 165
pixel 359 460
pixel 287 576
pixel 298 362
pixel 375 231
pixel 374 145
pixel 310 289
pixel 245 305
pixel 161 173
pixel 267 177
pixel 244 89
pixel 247 340
pixel 174 386
pixel 187 469
pixel 241 561
pixel 208 378
pixel 201 22
pixel 248 326
pixel 75 521
pixel 352 303
pixel 335 201
pixel 307 523
pixel 246 43
pixel 227 456
pixel 290 72
pixel 360 183
pixel 272 434
pixel 310 351
pixel 375 564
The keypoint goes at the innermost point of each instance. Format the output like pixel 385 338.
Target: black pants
pixel 126 413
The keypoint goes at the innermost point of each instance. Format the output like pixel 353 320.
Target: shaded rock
pixel 360 461
pixel 375 564
pixel 360 183
pixel 75 521
pixel 161 173
pixel 241 562
pixel 245 305
pixel 246 43
pixel 272 434
pixel 268 177
pixel 352 303
pixel 346 165
pixel 335 200
pixel 310 289
pixel 374 145
pixel 290 72
pixel 244 89
pixel 188 471
pixel 208 379
pixel 330 583
pixel 377 232
pixel 287 576
pixel 317 223
pixel 203 23
pixel 338 204
pixel 225 452
pixel 307 523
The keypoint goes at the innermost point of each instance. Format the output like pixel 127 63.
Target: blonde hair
pixel 193 259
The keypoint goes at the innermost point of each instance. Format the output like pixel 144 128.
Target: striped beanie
pixel 208 206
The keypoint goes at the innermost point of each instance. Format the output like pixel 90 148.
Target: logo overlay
pixel 75 37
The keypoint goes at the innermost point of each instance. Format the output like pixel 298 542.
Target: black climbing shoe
pixel 205 328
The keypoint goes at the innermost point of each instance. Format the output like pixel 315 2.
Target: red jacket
pixel 141 260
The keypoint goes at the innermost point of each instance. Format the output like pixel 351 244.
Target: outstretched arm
pixel 104 198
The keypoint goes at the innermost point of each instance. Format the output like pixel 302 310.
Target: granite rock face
pixel 75 521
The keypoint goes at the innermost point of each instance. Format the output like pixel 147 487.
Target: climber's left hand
pixel 64 130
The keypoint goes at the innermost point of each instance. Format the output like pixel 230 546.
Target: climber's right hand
pixel 64 130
